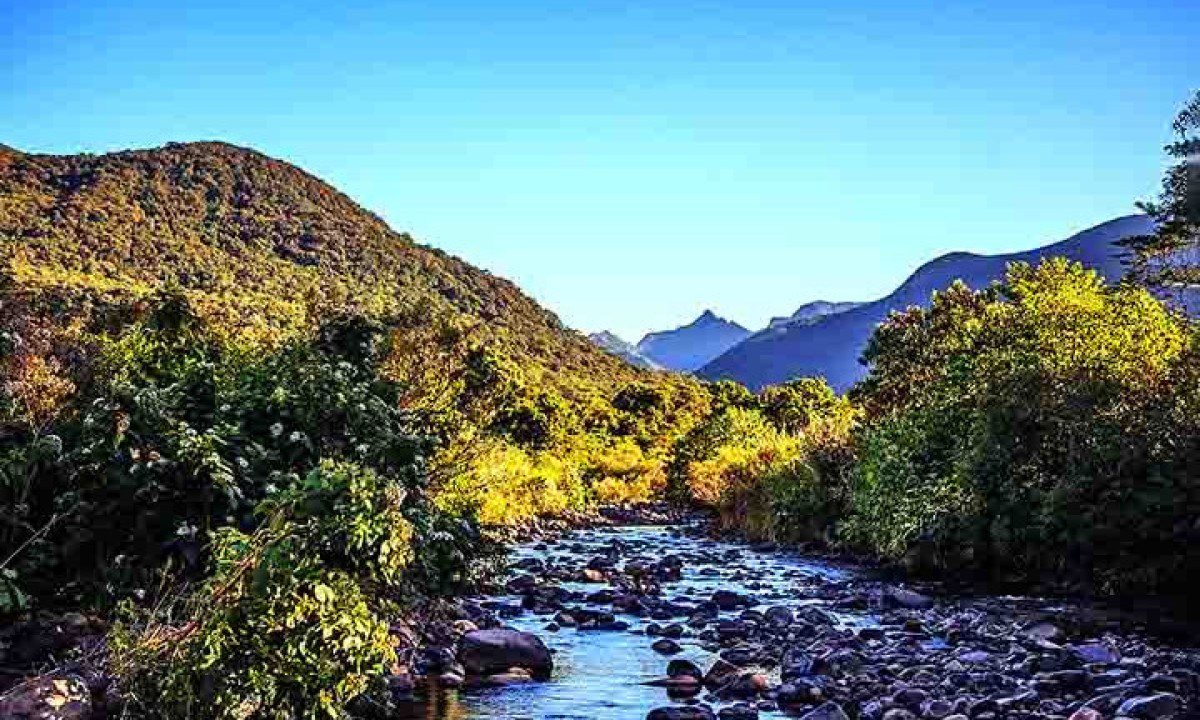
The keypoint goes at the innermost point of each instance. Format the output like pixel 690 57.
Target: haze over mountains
pixel 623 349
pixel 827 338
pixel 813 311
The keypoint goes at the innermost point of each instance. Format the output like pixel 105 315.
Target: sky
pixel 632 164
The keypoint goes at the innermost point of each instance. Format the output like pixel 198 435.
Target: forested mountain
pixel 832 346
pixel 260 246
pixel 689 347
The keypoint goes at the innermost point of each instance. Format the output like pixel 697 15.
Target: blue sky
pixel 630 164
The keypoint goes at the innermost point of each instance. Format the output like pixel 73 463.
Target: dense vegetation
pixel 1041 430
pixel 242 417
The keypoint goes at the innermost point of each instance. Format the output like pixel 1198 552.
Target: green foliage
pixel 1020 432
pixel 773 466
pixel 292 621
pixel 176 436
pixel 1171 256
pixel 793 406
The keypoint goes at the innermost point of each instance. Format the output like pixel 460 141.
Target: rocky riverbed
pixel 660 622
pixel 664 624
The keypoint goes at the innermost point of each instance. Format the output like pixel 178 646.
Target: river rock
pixel 682 712
pixel 666 646
pixel 1150 708
pixel 907 599
pixel 740 711
pixel 828 711
pixel 684 668
pixel 488 652
pixel 799 692
pixel 726 600
pixel 1094 654
pixel 48 698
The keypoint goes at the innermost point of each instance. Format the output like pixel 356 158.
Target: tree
pixel 1169 259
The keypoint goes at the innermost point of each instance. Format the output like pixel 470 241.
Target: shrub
pixel 292 621
pixel 1021 432
pixel 504 485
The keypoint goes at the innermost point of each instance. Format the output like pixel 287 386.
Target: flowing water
pixel 868 644
pixel 599 674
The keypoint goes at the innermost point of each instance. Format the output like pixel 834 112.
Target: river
pixel 880 651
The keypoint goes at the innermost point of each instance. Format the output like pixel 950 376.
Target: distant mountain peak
pixel 812 312
pixel 830 345
pixel 688 347
pixel 623 349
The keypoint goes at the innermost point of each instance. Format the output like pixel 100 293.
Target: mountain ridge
pixel 831 346
pixel 688 347
pixel 261 245
pixel 622 348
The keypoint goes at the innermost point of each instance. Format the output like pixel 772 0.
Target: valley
pixel 264 456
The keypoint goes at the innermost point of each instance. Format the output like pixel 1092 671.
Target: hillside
pixel 690 346
pixel 262 247
pixel 831 347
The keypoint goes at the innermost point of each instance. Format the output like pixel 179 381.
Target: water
pixel 599 675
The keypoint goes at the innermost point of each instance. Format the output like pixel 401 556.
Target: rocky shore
pixel 828 648
pixel 739 633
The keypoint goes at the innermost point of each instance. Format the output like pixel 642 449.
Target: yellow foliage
pixel 506 485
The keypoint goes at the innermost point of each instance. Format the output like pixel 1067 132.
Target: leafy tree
pixel 1031 440
pixel 1170 258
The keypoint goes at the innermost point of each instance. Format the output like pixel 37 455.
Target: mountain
pixel 689 347
pixel 831 347
pixel 623 349
pixel 262 248
pixel 813 311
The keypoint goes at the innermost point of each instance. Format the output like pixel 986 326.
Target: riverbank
pixel 665 624
pixel 616 621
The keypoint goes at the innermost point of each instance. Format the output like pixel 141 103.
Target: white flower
pixel 363 449
pixel 271 489
pixel 186 530
pixel 140 594
pixel 243 463
pixel 276 429
pixel 295 436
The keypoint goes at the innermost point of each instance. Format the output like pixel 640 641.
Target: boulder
pixel 491 652
pixel 1152 707
pixel 907 599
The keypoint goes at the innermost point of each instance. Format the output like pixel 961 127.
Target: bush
pixel 623 473
pixel 292 622
pixel 505 485
pixel 1022 433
